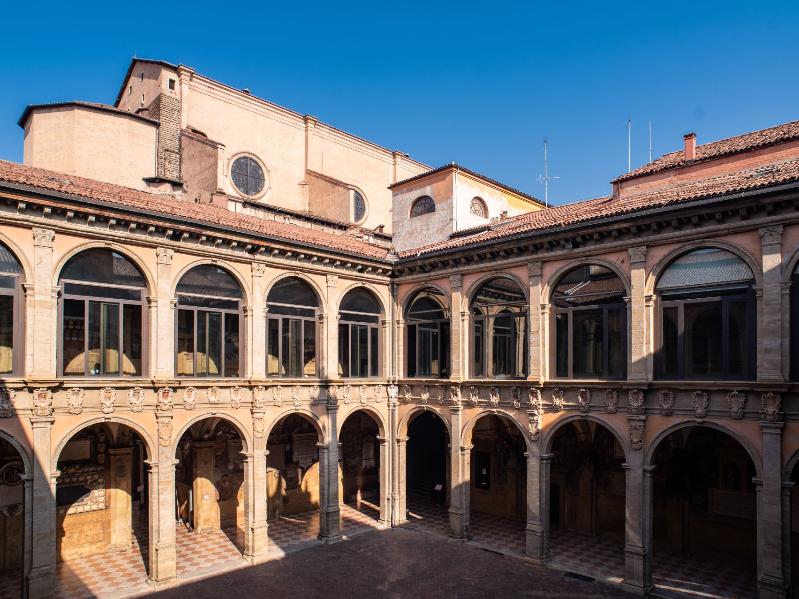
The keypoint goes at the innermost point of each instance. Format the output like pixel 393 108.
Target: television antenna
pixel 545 178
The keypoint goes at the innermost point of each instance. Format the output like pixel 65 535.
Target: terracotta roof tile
pixel 175 206
pixel 580 212
pixel 717 149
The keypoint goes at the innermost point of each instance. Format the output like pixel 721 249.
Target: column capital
pixel 456 282
pixel 637 254
pixel 164 255
pixel 533 271
pixel 43 237
pixel 771 235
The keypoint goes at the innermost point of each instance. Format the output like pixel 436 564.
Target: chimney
pixel 690 146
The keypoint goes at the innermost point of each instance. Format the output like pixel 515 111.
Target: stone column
pixel 459 478
pixel 457 349
pixel 329 341
pixel 120 502
pixel 637 365
pixel 203 490
pixel 40 580
pixel 637 542
pixel 329 509
pixel 547 355
pixel 537 530
pixel 384 477
pixel 401 483
pixel 769 335
pixel 42 318
pixel 535 370
pixel 386 345
pixel 162 311
pixel 787 531
pixel 256 538
pixel 771 565
pixel 257 348
pixel 400 355
pixel 163 558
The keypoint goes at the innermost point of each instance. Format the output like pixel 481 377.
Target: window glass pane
pixel 705 268
pixel 363 351
pixel 8 263
pixel 8 281
pixel 294 292
pixel 425 308
pixel 670 350
pixel 738 350
pixel 587 343
pixel 358 206
pixel 185 349
pixel 202 343
pixel 422 205
pixel 411 351
pixel 294 348
pixel 435 345
pixel 703 339
pixel 588 285
pixel 102 291
pixel 425 332
pixel 231 345
pixel 503 345
pixel 444 344
pixel 562 344
pixel 354 349
pixel 110 338
pixel 131 339
pixel 478 346
pixel 374 346
pixel 207 279
pixel 343 350
pixel 291 311
pixel 74 336
pixel 94 355
pixel 214 347
pixel 617 343
pixel 360 300
pixel 6 333
pixel 102 266
pixel 272 347
pixel 309 348
pixel 207 302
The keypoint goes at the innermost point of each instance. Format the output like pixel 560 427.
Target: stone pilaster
pixel 400 482
pixel 120 502
pixel 328 341
pixel 40 579
pixel 257 349
pixel 205 498
pixel 457 348
pixel 459 478
pixel 537 530
pixel 41 319
pixel 637 369
pixel 329 509
pixel 385 481
pixel 771 564
pixel 163 558
pixel 535 354
pixel 769 340
pixel 401 354
pixel 162 313
pixel 637 531
pixel 256 539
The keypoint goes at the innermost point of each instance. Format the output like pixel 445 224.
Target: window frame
pixel 441 326
pixel 264 171
pixel 16 293
pixel 606 340
pixel 488 345
pixel 282 319
pixel 343 321
pixel 195 311
pixel 418 201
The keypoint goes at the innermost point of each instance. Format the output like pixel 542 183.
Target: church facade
pixel 219 313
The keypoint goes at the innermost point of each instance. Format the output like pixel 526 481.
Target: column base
pixel 769 587
pixel 40 583
pixel 329 540
pixel 636 570
pixel 165 583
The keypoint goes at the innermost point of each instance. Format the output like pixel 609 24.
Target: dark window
pixel 707 307
pixel 422 205
pixel 358 207
pixel 172 84
pixel 478 208
pixel 359 319
pixel 590 324
pixel 292 307
pixel 499 330
pixel 427 336
pixel 10 274
pixel 102 311
pixel 247 175
pixel 794 320
pixel 209 307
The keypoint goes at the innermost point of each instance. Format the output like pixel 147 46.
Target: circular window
pixel 247 175
pixel 358 207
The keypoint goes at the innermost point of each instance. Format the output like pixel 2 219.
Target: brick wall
pixel 166 109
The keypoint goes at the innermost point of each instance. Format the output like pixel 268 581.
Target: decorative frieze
pixel 75 399
pixel 514 398
pixel 533 424
pixel 164 255
pixel 189 398
pixel 235 397
pixel 213 395
pixel 393 393
pixel 701 402
pixel 584 400
pixel 666 402
pixel 108 396
pixel 611 401
pixel 165 431
pixel 425 396
pixel 557 399
pixel 737 402
pixel 43 237
pixel 42 403
pixel 258 425
pixel 136 399
pixel 7 396
pixel 771 407
pixel 635 402
pixel 164 399
pixel 637 427
pixel 259 397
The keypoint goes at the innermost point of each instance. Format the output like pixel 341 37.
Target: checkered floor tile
pixel 597 557
pixel 200 553
pixel 498 533
pixel 677 576
pixel 11 584
pixel 426 515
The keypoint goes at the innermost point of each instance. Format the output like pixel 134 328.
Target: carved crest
pixel 440 394
pixel 332 395
pixel 363 393
pixel 136 399
pixel 189 398
pixel 557 399
pixel 108 396
pixel 771 407
pixel 164 403
pixel 164 255
pixel 474 396
pixel 584 400
pixel 701 401
pixel 235 397
pixel 165 432
pixel 493 397
pixel 635 401
pixel 533 424
pixel 258 427
pixel 42 403
pixel 455 394
pixel 277 395
pixel 393 393
pixel 75 399
pixel 213 395
pixel 637 433
pixel 514 398
pixel 7 396
pixel 737 401
pixel 313 394
pixel 611 401
pixel 296 393
pixel 425 398
pixel 666 402
pixel 534 398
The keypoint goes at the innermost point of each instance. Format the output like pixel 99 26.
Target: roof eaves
pixel 82 104
pixel 133 61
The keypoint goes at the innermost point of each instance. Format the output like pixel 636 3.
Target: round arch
pixel 549 436
pixel 468 297
pixel 303 277
pixel 135 426
pixel 22 259
pixel 230 419
pixel 114 247
pixel 245 288
pixel 551 282
pixel 466 436
pixel 405 421
pixel 409 297
pixel 26 459
pixel 369 287
pixel 738 251
pixel 790 267
pixel 308 415
pixel 651 450
pixel 789 466
pixel 373 413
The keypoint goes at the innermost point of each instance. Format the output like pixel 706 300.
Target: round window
pixel 358 207
pixel 247 175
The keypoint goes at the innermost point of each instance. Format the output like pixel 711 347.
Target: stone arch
pixel 738 251
pixel 468 428
pixel 22 259
pixel 652 447
pixel 23 454
pixel 308 415
pixel 789 466
pixel 407 300
pixel 549 284
pixel 232 420
pixel 306 279
pixel 369 287
pixel 152 448
pixel 790 266
pixel 402 427
pixel 553 428
pixel 372 412
pixel 245 288
pixel 468 296
pixel 114 247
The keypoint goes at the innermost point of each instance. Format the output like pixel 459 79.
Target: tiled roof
pixel 717 149
pixel 175 207
pixel 90 105
pixel 581 212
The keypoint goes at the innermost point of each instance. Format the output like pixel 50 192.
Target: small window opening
pixel 172 84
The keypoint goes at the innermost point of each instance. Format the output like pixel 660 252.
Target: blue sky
pixel 477 83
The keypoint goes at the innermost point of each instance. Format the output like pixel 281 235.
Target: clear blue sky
pixel 476 83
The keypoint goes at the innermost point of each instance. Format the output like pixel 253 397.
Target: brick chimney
pixel 690 146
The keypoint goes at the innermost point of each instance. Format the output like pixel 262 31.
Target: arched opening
pixel 291 329
pixel 359 335
pixel 794 519
pixel 102 511
pixel 427 472
pixel 292 477
pixel 587 495
pixel 590 324
pixel 498 489
pixel 794 322
pixel 209 496
pixel 427 335
pixel 707 318
pixel 421 206
pixel 102 310
pixel 360 470
pixel 10 306
pixel 208 323
pixel 12 520
pixel 704 525
pixel 499 330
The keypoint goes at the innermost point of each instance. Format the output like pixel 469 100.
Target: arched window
pixel 209 312
pixel 422 205
pixel 102 309
pixel 10 275
pixel 478 208
pixel 358 206
pixel 292 308
pixel 707 308
pixel 359 334
pixel 794 320
pixel 427 336
pixel 499 330
pixel 590 324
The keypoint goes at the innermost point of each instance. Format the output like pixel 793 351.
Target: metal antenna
pixel 629 144
pixel 546 178
pixel 650 141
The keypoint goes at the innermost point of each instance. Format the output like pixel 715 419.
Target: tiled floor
pixel 596 557
pixel 11 584
pixel 427 516
pixel 677 576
